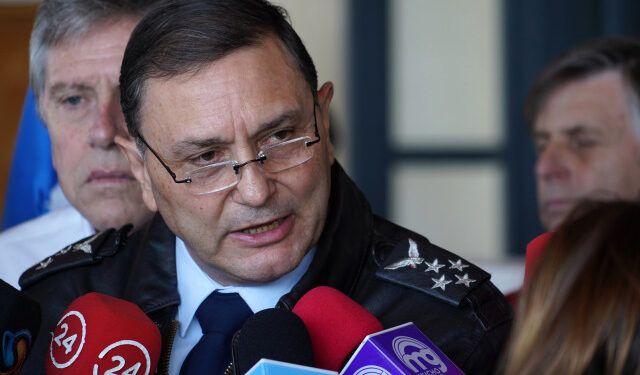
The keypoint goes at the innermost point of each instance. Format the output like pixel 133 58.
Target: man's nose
pixel 108 121
pixel 553 162
pixel 255 186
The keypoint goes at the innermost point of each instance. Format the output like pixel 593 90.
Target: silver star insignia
pixel 44 263
pixel 413 260
pixel 457 265
pixel 440 283
pixel 464 280
pixel 434 266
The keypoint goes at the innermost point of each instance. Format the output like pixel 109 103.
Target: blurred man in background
pixel 583 113
pixel 75 54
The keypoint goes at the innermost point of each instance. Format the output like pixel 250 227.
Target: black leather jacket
pixel 364 256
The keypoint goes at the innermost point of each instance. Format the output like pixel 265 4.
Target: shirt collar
pixel 194 285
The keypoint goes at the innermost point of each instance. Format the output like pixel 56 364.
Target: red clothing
pixel 534 250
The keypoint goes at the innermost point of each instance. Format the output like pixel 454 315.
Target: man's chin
pixel 241 279
pixel 100 224
pixel 116 189
pixel 251 275
pixel 264 276
pixel 115 216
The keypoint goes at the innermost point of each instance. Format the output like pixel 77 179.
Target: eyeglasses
pixel 216 177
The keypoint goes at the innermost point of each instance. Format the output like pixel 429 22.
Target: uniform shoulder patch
pixel 89 250
pixel 431 270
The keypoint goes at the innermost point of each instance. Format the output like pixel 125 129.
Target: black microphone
pixel 276 334
pixel 19 324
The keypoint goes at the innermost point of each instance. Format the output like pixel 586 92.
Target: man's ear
pixel 325 94
pixel 128 147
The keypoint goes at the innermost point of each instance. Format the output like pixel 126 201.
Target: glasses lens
pixel 217 177
pixel 212 178
pixel 287 154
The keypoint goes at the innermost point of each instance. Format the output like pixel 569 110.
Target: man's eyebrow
pixel 61 86
pixel 581 129
pixel 572 131
pixel 284 117
pixel 192 145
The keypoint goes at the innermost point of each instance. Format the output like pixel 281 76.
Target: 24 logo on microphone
pixel 68 339
pixel 103 335
pixel 123 357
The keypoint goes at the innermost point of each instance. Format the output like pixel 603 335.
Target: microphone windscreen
pixel 19 324
pixel 336 324
pixel 276 334
pixel 99 333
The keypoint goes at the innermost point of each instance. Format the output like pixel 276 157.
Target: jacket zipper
pixel 163 363
pixel 229 369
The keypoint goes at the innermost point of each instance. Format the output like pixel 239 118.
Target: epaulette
pixel 431 270
pixel 89 250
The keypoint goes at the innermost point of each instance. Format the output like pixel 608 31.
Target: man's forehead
pixel 595 103
pixel 257 81
pixel 265 61
pixel 97 51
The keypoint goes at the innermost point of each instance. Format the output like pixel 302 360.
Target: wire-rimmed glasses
pixel 216 177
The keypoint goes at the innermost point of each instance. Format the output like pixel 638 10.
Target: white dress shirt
pixel 28 243
pixel 194 286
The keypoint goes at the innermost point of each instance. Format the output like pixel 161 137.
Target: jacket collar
pixel 153 284
pixel 343 245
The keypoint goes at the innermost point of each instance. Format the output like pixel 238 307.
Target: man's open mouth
pixel 263 228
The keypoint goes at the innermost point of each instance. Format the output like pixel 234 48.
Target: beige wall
pixel 446 93
pixel 321 25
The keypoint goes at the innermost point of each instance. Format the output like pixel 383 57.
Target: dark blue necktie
pixel 220 315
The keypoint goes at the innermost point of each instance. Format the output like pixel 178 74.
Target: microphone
pixel 99 335
pixel 336 324
pixel 401 350
pixel 19 325
pixel 274 334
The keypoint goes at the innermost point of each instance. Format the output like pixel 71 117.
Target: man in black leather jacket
pixel 206 82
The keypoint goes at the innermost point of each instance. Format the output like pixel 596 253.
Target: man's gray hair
pixel 59 21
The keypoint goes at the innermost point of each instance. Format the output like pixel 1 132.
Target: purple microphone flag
pixel 401 350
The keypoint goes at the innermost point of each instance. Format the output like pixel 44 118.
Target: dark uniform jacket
pixel 389 270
